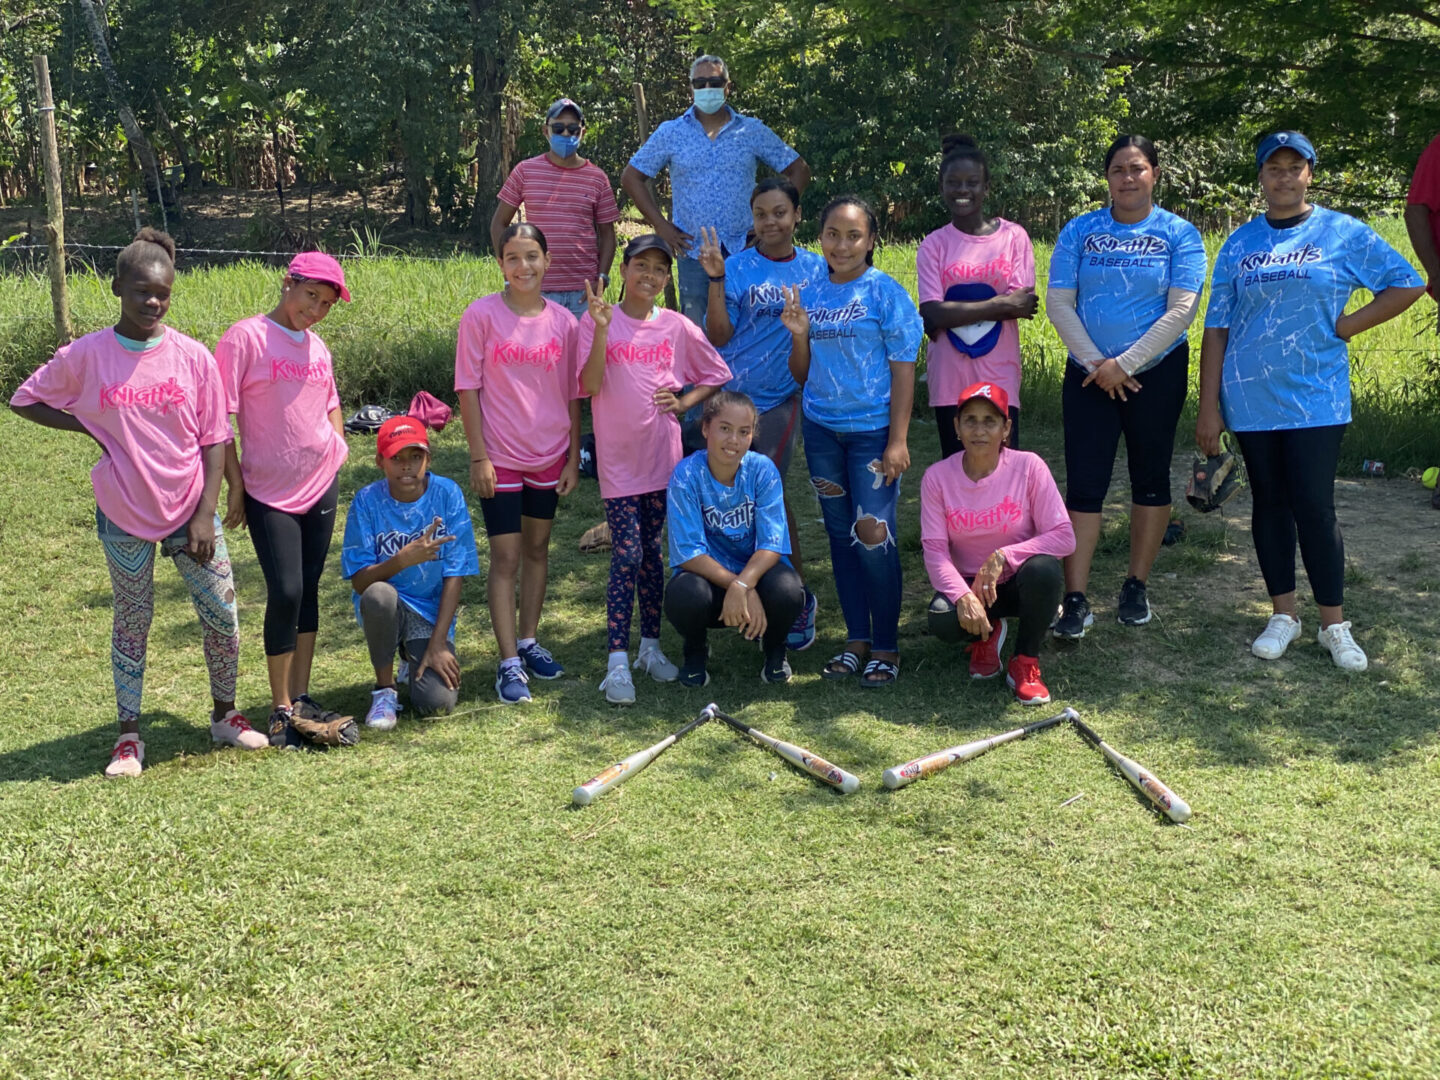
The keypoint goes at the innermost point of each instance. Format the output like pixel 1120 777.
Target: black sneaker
pixel 1075 617
pixel 776 671
pixel 279 722
pixel 692 671
pixel 1133 608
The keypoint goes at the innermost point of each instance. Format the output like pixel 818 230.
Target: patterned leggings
pixel 635 522
pixel 212 591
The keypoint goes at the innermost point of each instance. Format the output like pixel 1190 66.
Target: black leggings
pixel 291 550
pixel 950 444
pixel 1094 422
pixel 1292 490
pixel 1033 594
pixel 693 605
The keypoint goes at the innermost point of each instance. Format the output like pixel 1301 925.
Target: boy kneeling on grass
pixel 408 546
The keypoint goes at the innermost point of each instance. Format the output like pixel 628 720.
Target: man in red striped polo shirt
pixel 571 201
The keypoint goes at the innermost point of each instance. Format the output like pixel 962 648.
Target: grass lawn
pixel 427 904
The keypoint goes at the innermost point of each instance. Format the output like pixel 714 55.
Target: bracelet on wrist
pixel 737 581
pixel 477 460
pixel 715 280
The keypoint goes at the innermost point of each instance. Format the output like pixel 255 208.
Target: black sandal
pixel 848 661
pixel 889 669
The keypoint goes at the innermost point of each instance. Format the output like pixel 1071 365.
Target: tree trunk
pixel 492 45
pixel 193 171
pixel 134 134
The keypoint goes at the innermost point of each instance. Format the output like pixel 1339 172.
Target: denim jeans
pixel 693 286
pixel 572 300
pixel 845 474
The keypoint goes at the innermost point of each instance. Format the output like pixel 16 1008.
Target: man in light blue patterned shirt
pixel 712 152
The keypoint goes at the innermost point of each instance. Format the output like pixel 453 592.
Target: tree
pixel 134 134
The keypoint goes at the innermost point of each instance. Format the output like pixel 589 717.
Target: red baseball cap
pixel 317 266
pixel 995 395
pixel 399 433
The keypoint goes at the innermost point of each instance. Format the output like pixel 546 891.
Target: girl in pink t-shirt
pixel 976 278
pixel 284 483
pixel 515 373
pixel 637 359
pixel 151 399
pixel 994 529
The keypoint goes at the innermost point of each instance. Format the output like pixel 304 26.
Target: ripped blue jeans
pixel 859 510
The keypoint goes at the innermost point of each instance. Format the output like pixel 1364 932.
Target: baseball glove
pixel 1215 480
pixel 323 727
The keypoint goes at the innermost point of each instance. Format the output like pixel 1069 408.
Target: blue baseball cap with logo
pixel 1284 140
pixel 564 103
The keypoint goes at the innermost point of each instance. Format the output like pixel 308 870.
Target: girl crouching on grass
pixel 994 530
pixel 153 400
pixel 637 358
pixel 729 544
pixel 854 336
pixel 284 484
pixel 515 373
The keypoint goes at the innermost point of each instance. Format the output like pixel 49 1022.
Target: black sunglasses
pixel 714 82
pixel 564 129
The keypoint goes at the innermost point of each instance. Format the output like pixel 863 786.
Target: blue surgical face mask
pixel 564 145
pixel 709 99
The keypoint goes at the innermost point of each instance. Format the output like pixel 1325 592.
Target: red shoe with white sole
pixel 985 655
pixel 1024 678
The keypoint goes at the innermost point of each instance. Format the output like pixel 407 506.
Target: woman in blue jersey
pixel 743 322
pixel 1125 283
pixel 1275 369
pixel 854 337
pixel 729 551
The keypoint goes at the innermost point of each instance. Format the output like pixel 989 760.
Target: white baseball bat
pixel 1145 782
pixel 798 756
pixel 930 764
pixel 621 771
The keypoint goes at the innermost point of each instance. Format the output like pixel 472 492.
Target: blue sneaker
pixel 539 662
pixel 802 634
pixel 510 685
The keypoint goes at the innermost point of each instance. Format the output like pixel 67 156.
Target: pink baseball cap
pixel 995 395
pixel 400 433
pixel 317 266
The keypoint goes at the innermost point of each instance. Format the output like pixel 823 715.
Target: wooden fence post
pixel 54 200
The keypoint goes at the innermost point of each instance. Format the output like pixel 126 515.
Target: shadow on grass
pixel 84 754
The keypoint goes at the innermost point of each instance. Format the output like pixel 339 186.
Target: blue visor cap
pixel 976 339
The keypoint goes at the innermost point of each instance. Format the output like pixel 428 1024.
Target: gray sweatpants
pixel 389 625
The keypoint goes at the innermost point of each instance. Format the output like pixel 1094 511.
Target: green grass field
pixel 427 904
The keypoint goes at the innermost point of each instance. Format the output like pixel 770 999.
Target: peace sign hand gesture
pixel 600 311
pixel 794 317
pixel 712 259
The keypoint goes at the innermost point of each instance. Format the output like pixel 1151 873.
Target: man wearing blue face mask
pixel 712 152
pixel 571 201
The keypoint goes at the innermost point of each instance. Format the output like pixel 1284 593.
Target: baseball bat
pixel 930 764
pixel 1175 808
pixel 798 756
pixel 621 771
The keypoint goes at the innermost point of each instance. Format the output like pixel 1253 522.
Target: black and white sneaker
pixel 1133 608
pixel 1075 617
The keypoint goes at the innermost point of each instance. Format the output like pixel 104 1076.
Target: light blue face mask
pixel 564 145
pixel 709 99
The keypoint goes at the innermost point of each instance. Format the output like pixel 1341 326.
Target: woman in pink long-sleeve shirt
pixel 994 529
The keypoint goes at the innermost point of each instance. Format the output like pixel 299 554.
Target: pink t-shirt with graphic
pixel 636 445
pixel 523 370
pixel 152 411
pixel 283 392
pixel 1005 261
pixel 1016 510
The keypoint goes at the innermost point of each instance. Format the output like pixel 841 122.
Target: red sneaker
pixel 985 655
pixel 1024 678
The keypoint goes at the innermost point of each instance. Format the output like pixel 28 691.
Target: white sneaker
pixel 383 707
pixel 654 664
pixel 1279 632
pixel 618 686
pixel 1336 640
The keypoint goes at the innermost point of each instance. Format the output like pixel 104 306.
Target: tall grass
pixel 399 336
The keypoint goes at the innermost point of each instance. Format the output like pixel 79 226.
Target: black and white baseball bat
pixel 1174 807
pixel 930 764
pixel 798 756
pixel 621 771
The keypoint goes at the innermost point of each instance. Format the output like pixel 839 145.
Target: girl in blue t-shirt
pixel 729 549
pixel 743 322
pixel 1275 369
pixel 1125 283
pixel 854 336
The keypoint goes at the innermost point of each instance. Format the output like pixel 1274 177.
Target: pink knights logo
pixel 627 352
pixel 1002 515
pixel 512 353
pixel 158 397
pixel 294 371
